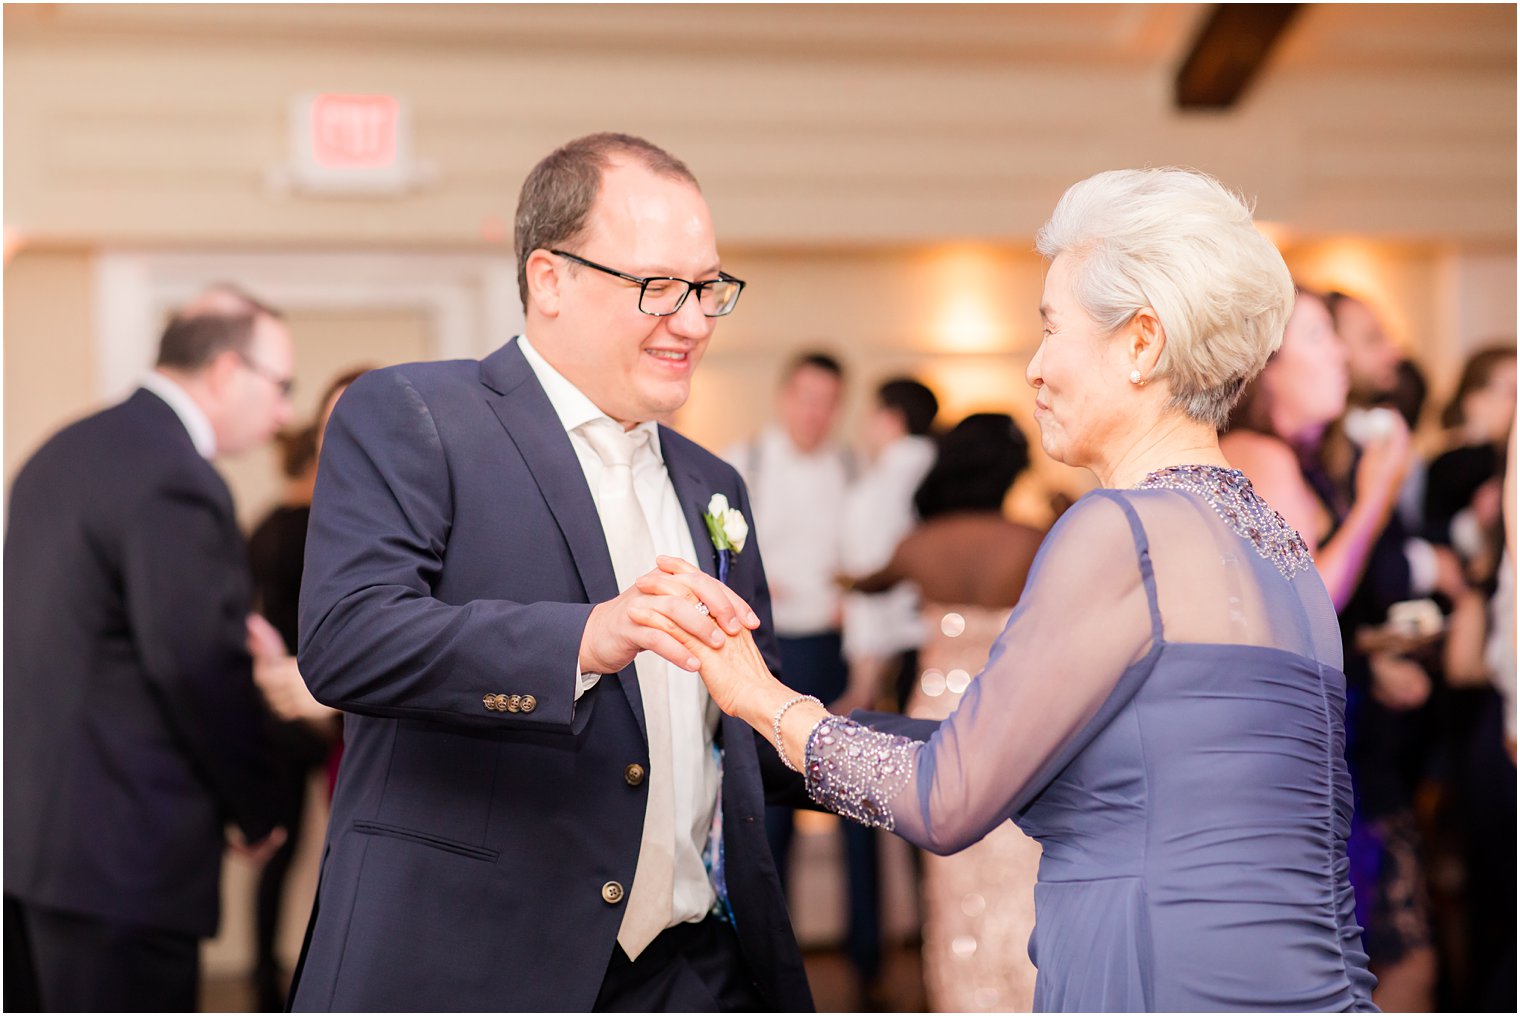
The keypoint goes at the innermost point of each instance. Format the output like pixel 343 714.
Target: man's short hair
pixel 557 196
pixel 219 319
pixel 913 399
pixel 815 359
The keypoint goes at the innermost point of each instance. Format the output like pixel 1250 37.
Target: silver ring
pixel 702 609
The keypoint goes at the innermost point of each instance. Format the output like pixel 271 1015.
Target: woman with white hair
pixel 1164 710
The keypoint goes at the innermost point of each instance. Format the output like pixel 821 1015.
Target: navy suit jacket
pixel 453 557
pixel 133 731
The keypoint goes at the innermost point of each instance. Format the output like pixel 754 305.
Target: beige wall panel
pixel 962 316
pixel 167 125
pixel 49 349
pixel 880 313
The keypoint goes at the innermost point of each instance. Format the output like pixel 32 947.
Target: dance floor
pixel 901 987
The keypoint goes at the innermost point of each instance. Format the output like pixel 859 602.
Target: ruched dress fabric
pixel 1165 714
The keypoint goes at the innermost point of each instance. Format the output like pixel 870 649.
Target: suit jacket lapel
pixel 693 492
pixel 532 425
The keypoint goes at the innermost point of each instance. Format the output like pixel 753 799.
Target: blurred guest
pixel 1278 438
pixel 276 553
pixel 1372 358
pixel 798 477
pixel 275 545
pixel 970 564
pixel 1462 504
pixel 1410 394
pixel 1276 434
pixel 275 669
pixel 133 732
pixel 1463 509
pixel 881 631
pixel 1477 420
pixel 1380 376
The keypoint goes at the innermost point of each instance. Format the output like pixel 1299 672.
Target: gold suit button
pixel 527 704
pixel 489 702
pixel 512 703
pixel 634 774
pixel 612 892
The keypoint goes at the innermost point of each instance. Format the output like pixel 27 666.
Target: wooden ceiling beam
pixel 1229 52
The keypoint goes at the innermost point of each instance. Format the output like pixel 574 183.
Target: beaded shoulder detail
pixel 855 771
pixel 1235 501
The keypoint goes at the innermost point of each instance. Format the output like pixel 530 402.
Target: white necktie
pixel 648 910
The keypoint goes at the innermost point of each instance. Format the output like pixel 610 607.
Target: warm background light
pixel 964 283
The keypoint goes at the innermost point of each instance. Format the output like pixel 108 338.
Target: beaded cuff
pixel 856 771
pixel 1235 501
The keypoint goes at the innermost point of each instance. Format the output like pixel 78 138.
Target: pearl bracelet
pixel 776 726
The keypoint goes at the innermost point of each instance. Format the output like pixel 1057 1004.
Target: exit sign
pixel 351 142
pixel 355 131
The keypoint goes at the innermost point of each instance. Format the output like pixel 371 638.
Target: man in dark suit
pixel 133 732
pixel 539 808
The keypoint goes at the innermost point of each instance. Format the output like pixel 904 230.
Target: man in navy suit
pixel 539 808
pixel 133 732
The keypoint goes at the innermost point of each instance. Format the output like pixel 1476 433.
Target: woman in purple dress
pixel 1164 711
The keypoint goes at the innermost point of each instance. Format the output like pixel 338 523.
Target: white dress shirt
pixel 187 409
pixel 693 715
pixel 879 505
pixel 798 502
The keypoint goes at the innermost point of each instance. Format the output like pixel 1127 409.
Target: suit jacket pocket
pixel 426 840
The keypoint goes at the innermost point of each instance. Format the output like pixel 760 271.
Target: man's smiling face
pixel 631 365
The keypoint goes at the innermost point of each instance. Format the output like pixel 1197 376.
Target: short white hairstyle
pixel 1177 241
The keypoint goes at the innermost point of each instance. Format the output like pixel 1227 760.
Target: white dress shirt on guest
pixel 693 716
pixel 798 502
pixel 187 409
pixel 879 507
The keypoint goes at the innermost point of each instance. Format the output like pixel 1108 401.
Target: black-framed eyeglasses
pixel 286 385
pixel 663 295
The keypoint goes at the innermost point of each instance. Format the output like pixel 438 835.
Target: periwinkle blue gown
pixel 1165 714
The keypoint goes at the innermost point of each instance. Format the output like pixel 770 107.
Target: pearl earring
pixel 1135 378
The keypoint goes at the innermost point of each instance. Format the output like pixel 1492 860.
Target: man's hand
pixel 672 597
pixel 736 675
pixel 1385 460
pixel 734 671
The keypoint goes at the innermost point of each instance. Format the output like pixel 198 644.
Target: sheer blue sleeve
pixel 1053 677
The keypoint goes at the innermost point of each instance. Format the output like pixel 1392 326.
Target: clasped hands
pixel 662 613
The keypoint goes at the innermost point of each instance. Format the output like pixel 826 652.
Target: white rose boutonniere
pixel 728 530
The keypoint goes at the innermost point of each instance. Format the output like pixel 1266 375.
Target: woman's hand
pixel 1384 462
pixel 1399 684
pixel 279 679
pixel 624 626
pixel 734 672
